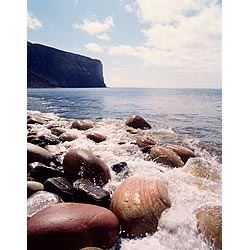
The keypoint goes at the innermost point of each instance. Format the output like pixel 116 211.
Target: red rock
pixel 138 203
pixel 209 223
pixel 79 163
pixel 81 125
pixel 137 121
pixel 96 137
pixel 71 226
pixel 183 152
pixel 165 156
pixel 67 136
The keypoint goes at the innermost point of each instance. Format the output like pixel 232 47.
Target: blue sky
pixel 141 43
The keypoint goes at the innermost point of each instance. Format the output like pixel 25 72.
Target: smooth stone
pixel 137 121
pixel 165 156
pixel 41 173
pixel 138 203
pixel 57 130
pixel 86 192
pixel 37 154
pixel 34 120
pixel 201 169
pixel 60 186
pixel 41 200
pixel 209 223
pixel 91 248
pixel 81 125
pixel 72 226
pixel 43 140
pixel 184 152
pixel 68 136
pixel 96 137
pixel 143 142
pixel 79 163
pixel 33 186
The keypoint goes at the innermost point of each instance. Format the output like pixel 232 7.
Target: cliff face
pixel 49 67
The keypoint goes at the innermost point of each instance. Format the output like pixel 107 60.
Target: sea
pixel 187 117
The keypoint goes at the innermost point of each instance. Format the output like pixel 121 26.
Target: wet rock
pixel 79 163
pixel 81 125
pixel 120 167
pixel 60 186
pixel 37 154
pixel 41 200
pixel 34 120
pixel 68 136
pixel 137 121
pixel 72 226
pixel 57 131
pixel 43 140
pixel 138 203
pixel 86 192
pixel 96 137
pixel 209 223
pixel 41 173
pixel 33 186
pixel 183 152
pixel 91 248
pixel 143 142
pixel 165 156
pixel 201 169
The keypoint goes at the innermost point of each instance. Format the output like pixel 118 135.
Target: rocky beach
pixel 119 184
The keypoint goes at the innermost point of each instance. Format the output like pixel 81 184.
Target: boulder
pixel 81 125
pixel 86 192
pixel 209 223
pixel 165 156
pixel 72 226
pixel 37 154
pixel 137 121
pixel 138 203
pixel 39 201
pixel 60 186
pixel 183 152
pixel 96 137
pixel 79 163
pixel 68 136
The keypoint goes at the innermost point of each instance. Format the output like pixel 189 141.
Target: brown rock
pixel 183 152
pixel 209 223
pixel 165 156
pixel 138 203
pixel 34 120
pixel 81 125
pixel 67 136
pixel 96 137
pixel 57 130
pixel 71 226
pixel 143 142
pixel 37 154
pixel 137 121
pixel 79 163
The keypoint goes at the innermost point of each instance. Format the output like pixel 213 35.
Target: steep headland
pixel 48 67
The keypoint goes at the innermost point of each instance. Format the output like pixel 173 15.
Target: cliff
pixel 48 67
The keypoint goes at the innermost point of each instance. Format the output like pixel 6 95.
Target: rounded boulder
pixel 72 226
pixel 138 203
pixel 165 156
pixel 37 154
pixel 137 121
pixel 79 163
pixel 209 223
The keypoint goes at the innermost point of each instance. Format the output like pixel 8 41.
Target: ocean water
pixel 189 117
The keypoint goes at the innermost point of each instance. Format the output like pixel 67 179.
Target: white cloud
pixel 129 8
pixel 96 28
pixel 32 22
pixel 191 44
pixel 93 47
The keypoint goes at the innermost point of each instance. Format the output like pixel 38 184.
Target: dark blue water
pixel 195 112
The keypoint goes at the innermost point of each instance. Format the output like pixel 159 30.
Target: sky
pixel 141 43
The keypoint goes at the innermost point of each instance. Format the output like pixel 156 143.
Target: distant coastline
pixel 48 67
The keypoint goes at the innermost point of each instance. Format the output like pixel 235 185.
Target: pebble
pixel 37 154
